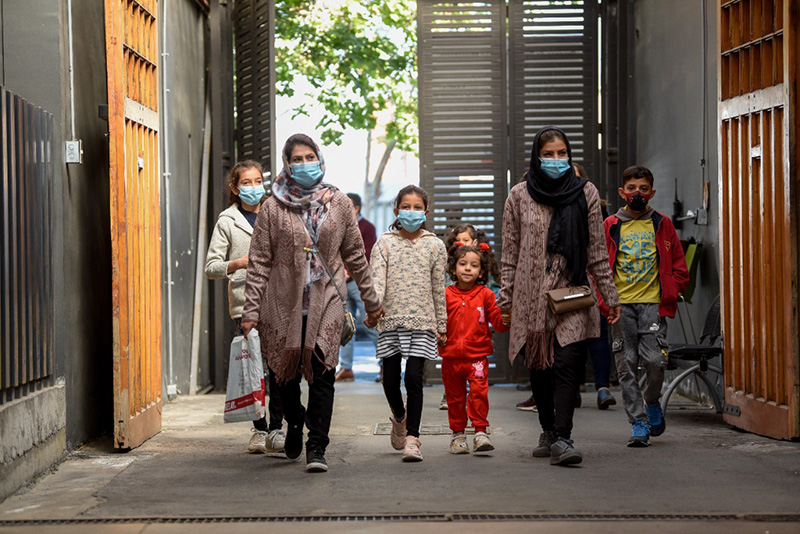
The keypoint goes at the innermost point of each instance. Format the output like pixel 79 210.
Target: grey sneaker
pixel 275 441
pixel 546 439
pixel 563 453
pixel 257 443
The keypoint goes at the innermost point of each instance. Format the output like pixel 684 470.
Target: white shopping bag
pixel 244 400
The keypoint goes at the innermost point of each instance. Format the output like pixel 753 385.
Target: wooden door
pixel 759 214
pixel 132 63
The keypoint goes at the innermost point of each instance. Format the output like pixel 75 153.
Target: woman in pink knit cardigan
pixel 291 299
pixel 553 237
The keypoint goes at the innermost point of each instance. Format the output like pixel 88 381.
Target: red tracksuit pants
pixel 456 373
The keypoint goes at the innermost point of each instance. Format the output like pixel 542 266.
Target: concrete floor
pixel 704 474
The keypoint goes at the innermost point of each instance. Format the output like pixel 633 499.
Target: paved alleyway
pixel 197 467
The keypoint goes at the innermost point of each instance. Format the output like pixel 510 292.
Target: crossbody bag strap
pixel 319 255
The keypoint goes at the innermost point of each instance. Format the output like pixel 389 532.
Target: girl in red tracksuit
pixel 471 307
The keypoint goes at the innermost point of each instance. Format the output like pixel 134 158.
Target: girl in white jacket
pixel 227 258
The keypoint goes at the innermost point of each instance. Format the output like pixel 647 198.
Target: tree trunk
pixel 376 182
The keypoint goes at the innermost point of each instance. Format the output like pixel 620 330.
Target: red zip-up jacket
pixel 469 314
pixel 672 271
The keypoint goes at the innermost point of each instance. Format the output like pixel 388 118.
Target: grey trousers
pixel 639 338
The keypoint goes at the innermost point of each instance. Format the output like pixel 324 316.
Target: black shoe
pixel 315 461
pixel 293 445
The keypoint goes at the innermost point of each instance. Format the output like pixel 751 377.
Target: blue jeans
pixel 356 306
pixel 600 351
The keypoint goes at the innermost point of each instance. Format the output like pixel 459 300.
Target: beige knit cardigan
pixel 524 276
pixel 409 280
pixel 276 277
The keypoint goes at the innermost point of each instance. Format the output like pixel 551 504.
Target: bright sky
pixel 346 164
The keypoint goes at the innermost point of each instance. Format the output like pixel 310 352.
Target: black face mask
pixel 636 201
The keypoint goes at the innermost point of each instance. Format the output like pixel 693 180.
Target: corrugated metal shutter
pixel 254 32
pixel 462 112
pixel 26 267
pixel 553 77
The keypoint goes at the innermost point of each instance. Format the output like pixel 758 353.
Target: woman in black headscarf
pixel 553 237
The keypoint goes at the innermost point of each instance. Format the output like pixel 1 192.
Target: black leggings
pixel 561 381
pixel 317 416
pixel 275 408
pixel 415 369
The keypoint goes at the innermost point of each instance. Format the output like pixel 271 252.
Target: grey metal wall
pixel 35 66
pixel 184 62
pixel 669 97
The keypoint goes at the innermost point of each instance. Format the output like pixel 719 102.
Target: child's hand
pixel 441 339
pixel 372 317
pixel 613 314
pixel 506 317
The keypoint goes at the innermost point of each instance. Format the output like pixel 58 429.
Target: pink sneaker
pixel 411 452
pixel 398 435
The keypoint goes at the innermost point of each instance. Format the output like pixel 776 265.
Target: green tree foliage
pixel 359 57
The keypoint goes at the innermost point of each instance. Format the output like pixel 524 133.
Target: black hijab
pixel 569 226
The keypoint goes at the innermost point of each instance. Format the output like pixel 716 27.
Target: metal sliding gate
pixel 491 74
pixel 553 78
pixel 254 32
pixel 462 112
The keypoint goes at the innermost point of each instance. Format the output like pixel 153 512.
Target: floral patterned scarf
pixel 313 204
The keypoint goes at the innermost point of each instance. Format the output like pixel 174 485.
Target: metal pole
pixel 171 389
pixel 71 72
pixel 199 276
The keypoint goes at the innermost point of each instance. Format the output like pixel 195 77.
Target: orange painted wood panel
pixel 758 165
pixel 132 51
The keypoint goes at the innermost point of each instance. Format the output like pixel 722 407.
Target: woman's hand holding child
pixel 372 317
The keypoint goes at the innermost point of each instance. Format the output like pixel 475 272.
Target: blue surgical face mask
pixel 306 174
pixel 411 220
pixel 251 194
pixel 554 168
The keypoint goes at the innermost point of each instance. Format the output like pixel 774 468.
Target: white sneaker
pixel 258 442
pixel 482 442
pixel 411 452
pixel 275 441
pixel 458 443
pixel 443 402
